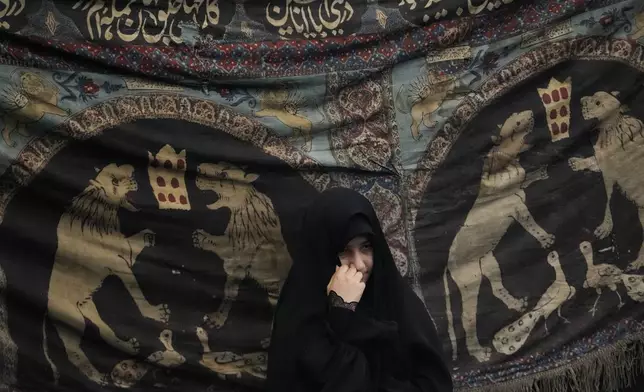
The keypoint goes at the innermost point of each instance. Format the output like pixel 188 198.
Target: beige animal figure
pixel 638 31
pixel 228 364
pixel 285 105
pixel 27 102
pixel 500 201
pixel 618 150
pixel 251 245
pixel 425 97
pixel 600 275
pixel 511 338
pixel 610 276
pixel 634 286
pixel 127 373
pixel 91 247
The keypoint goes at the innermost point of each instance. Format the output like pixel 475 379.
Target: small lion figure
pixel 90 248
pixel 26 102
pixel 618 149
pixel 252 245
pixel 285 105
pixel 638 31
pixel 425 96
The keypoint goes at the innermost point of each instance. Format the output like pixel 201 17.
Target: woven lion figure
pixel 499 203
pixel 91 247
pixel 252 245
pixel 617 151
pixel 286 105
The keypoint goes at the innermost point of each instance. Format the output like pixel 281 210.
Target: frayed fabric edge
pixel 607 369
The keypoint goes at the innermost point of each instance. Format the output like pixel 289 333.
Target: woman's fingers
pixel 347 283
pixel 352 272
pixel 355 275
pixel 349 272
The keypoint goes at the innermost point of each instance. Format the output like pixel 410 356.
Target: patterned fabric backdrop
pixel 155 154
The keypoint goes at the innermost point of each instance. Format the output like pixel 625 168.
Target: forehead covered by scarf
pixel 336 217
pixel 357 226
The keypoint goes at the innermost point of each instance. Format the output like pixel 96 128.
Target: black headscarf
pixel 388 344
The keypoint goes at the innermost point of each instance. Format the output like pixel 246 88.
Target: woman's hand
pixel 347 283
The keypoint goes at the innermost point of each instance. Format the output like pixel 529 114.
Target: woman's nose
pixel 358 262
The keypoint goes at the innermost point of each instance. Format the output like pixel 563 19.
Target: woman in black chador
pixel 346 320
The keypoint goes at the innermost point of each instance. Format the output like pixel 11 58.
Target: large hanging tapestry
pixel 156 155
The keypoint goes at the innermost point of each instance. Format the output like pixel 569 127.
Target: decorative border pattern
pixel 96 119
pixel 525 66
pixel 211 58
pixel 360 109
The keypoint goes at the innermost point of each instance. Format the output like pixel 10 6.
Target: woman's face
pixel 358 254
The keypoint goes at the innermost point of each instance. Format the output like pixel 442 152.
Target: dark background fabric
pixel 29 245
pixel 356 86
pixel 568 204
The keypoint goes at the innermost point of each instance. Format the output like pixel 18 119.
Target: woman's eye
pixel 115 181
